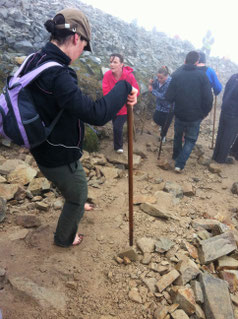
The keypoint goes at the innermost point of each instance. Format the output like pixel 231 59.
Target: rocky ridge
pixel 23 32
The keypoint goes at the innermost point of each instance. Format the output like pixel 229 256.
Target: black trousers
pixel 118 123
pixel 72 183
pixel 227 132
pixel 234 149
pixel 164 120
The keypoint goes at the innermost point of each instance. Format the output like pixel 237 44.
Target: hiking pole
pixel 130 169
pixel 214 122
pixel 160 147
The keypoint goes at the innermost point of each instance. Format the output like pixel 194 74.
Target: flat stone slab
pixel 212 225
pixel 8 191
pixel 108 172
pixel 129 253
pixel 215 168
pixel 28 221
pixel 165 200
pixel 134 295
pixel 174 189
pixel 188 190
pixel 115 158
pixel 150 283
pixel 179 314
pixel 217 301
pixel 10 165
pixel 155 210
pixel 215 247
pixel 139 199
pixel 167 280
pixel 231 277
pixel 185 298
pixel 188 270
pixel 197 289
pixel 227 262
pixel 44 297
pixel 146 244
pixel 37 185
pixel 18 234
pixel 22 175
pixel 163 244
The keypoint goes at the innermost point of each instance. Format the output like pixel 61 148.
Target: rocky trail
pixel 184 262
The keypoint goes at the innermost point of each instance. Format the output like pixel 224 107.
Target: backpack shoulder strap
pixel 50 128
pixel 18 71
pixel 32 75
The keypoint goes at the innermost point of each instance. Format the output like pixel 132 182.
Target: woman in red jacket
pixel 118 72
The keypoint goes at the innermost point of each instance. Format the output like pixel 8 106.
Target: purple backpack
pixel 19 119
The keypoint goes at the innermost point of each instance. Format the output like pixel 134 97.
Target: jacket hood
pixel 189 67
pixel 127 69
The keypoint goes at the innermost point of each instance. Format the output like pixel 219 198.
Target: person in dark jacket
pixel 228 123
pixel 191 91
pixel 57 89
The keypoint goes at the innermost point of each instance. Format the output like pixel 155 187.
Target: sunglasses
pixel 82 38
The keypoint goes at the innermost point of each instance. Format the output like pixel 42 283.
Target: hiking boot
pixel 178 170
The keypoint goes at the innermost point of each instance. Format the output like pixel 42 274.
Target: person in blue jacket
pixel 164 112
pixel 211 74
pixel 228 123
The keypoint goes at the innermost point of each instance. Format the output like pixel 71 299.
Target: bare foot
pixel 77 240
pixel 88 206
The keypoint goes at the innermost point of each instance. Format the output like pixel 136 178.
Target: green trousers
pixel 71 182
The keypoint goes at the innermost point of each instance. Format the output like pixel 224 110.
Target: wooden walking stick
pixel 130 169
pixel 134 131
pixel 214 122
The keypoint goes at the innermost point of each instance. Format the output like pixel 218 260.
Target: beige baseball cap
pixel 76 21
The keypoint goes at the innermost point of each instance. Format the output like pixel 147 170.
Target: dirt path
pixel 85 282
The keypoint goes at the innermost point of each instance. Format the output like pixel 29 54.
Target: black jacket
pixel 56 89
pixel 191 91
pixel 230 97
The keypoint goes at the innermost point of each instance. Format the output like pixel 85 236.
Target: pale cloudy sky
pixel 189 19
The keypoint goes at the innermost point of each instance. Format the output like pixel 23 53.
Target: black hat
pixel 202 57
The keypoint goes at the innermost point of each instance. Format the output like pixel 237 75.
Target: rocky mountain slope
pixel 23 32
